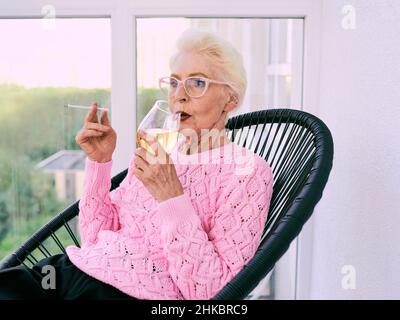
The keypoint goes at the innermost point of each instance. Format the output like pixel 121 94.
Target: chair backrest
pixel 299 148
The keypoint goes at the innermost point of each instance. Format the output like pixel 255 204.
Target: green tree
pixel 5 183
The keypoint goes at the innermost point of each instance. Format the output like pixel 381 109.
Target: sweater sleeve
pixel 202 263
pixel 98 207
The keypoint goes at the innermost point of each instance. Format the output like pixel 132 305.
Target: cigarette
pixel 82 107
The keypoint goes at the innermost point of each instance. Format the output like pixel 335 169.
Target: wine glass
pixel 161 125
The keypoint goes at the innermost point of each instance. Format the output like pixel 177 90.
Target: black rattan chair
pixel 299 148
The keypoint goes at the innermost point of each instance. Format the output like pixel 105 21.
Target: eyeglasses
pixel 195 87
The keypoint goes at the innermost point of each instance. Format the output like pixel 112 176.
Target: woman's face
pixel 207 111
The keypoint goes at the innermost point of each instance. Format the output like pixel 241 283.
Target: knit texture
pixel 187 247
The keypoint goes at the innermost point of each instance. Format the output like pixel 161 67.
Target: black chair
pixel 299 148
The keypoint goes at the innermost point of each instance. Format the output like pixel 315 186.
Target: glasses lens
pixel 195 87
pixel 168 85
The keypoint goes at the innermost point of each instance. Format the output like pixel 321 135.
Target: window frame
pixel 123 15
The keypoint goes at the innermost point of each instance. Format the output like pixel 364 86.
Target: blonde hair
pixel 220 53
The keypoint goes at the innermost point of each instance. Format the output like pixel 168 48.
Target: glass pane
pixel 41 70
pixel 272 51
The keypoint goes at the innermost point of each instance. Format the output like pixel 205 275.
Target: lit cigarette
pixel 82 107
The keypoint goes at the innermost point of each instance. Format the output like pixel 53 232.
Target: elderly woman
pixel 180 229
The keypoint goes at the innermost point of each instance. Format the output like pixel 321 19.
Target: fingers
pixel 92 114
pixel 104 118
pixel 84 134
pixel 155 154
pixel 140 163
pixel 91 129
pixel 149 138
pixel 152 142
pixel 138 173
pixel 158 149
pixel 97 126
pixel 145 156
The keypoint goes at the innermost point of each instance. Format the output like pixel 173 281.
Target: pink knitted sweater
pixel 187 247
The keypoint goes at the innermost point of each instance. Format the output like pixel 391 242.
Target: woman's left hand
pixel 157 173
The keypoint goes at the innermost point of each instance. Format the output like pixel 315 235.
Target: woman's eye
pixel 198 82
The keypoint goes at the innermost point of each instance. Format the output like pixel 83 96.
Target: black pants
pixel 70 282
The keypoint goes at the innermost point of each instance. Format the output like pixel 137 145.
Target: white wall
pixel 358 221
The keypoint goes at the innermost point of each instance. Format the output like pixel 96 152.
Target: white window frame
pixel 123 14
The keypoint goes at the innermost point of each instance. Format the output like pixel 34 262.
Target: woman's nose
pixel 180 93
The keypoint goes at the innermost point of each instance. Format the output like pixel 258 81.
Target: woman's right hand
pixel 97 140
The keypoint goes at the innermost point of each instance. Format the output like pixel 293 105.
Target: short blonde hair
pixel 219 52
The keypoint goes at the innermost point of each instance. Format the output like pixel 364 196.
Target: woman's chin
pixel 187 131
pixel 185 126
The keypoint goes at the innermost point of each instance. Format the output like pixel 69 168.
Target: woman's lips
pixel 184 118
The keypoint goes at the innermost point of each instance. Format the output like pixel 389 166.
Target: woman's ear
pixel 232 103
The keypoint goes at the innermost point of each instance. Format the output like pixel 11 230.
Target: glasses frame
pixel 207 81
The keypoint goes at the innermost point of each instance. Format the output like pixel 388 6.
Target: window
pixel 41 70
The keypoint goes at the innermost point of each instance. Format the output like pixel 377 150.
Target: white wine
pixel 166 138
